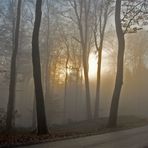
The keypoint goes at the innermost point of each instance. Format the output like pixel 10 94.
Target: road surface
pixel 133 138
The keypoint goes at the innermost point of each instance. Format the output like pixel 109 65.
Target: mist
pixel 71 46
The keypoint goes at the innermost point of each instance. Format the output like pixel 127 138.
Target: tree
pixel 82 12
pixel 119 75
pixel 40 106
pixel 12 85
pixel 65 41
pixel 100 22
pixel 132 14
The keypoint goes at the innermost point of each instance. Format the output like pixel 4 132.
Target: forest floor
pixel 68 131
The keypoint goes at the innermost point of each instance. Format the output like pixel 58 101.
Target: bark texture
pixel 12 84
pixel 40 106
pixel 120 61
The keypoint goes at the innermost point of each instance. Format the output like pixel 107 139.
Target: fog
pixel 133 98
pixel 66 101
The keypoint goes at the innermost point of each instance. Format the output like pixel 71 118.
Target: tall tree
pixel 12 85
pixel 40 106
pixel 104 9
pixel 132 15
pixel 82 12
pixel 120 60
pixel 65 40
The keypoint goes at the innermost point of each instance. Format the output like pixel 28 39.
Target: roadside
pixel 70 131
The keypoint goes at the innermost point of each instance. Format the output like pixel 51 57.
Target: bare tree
pixel 40 106
pixel 82 12
pixel 119 76
pixel 134 11
pixel 12 85
pixel 65 41
pixel 102 10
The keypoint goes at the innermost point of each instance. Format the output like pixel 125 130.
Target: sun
pixel 92 65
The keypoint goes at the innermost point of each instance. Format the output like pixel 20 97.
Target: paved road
pixel 133 138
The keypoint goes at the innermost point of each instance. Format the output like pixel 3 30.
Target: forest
pixel 70 68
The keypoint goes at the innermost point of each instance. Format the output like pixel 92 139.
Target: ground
pixel 69 131
pixel 132 138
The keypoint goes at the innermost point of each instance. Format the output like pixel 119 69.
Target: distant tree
pixel 82 12
pixel 12 85
pixel 102 10
pixel 40 106
pixel 136 52
pixel 48 52
pixel 66 43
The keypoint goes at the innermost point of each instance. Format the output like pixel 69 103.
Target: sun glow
pixel 92 65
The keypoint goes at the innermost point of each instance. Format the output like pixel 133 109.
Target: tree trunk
pixel 120 61
pixel 96 113
pixel 66 80
pixel 40 106
pixel 34 123
pixel 77 87
pixel 103 22
pixel 12 85
pixel 87 88
pixel 65 88
pixel 83 31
